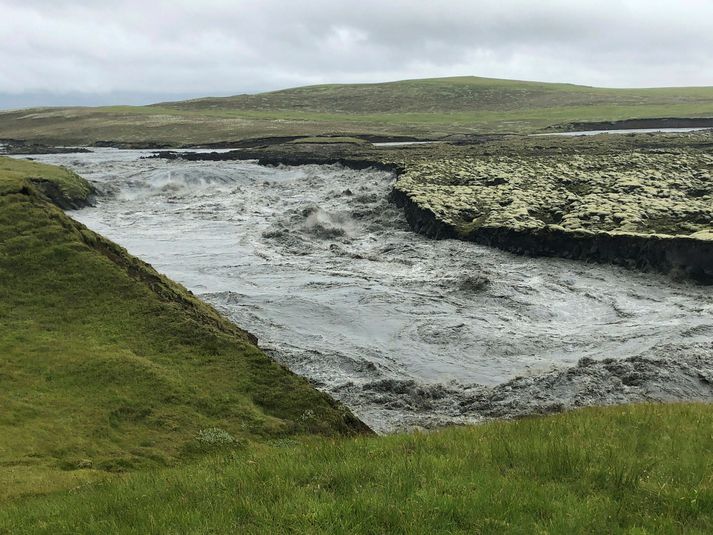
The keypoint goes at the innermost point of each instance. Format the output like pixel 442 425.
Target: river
pixel 405 330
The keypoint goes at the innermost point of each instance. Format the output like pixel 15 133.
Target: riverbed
pixel 407 331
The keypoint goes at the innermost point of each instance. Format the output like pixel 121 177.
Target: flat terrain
pixel 635 192
pixel 644 207
pixel 431 109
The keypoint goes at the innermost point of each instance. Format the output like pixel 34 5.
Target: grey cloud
pixel 220 47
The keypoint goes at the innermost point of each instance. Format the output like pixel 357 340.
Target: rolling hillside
pixel 423 109
pixel 446 95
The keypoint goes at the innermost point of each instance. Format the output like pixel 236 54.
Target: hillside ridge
pixel 108 366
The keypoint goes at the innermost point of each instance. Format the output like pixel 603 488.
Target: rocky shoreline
pixel 653 379
pixel 668 122
pixel 678 256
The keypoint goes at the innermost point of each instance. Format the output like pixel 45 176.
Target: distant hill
pixel 421 109
pixel 444 95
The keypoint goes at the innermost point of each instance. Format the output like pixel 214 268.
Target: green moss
pixel 630 191
pixel 107 367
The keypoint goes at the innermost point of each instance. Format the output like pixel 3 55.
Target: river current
pixel 318 264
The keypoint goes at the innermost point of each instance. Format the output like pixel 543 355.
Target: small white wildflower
pixel 215 436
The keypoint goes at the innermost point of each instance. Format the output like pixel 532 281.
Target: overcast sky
pixel 102 51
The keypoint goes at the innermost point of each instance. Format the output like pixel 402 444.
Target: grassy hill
pixel 107 366
pixel 446 95
pixel 429 108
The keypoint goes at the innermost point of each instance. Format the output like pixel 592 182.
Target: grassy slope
pixel 107 366
pixel 421 108
pixel 636 469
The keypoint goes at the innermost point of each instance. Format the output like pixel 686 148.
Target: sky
pixel 88 52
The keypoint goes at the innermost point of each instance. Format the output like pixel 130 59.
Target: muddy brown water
pixel 407 331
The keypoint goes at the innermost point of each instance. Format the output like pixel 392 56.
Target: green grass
pixel 106 366
pixel 428 108
pixel 15 174
pixel 636 469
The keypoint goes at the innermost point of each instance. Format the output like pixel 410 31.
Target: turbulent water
pixel 405 330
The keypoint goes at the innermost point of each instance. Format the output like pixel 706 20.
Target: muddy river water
pixel 405 330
